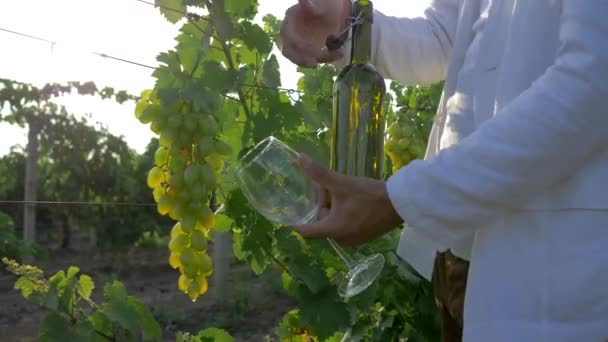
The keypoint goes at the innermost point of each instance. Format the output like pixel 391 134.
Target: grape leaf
pixel 26 287
pixel 149 326
pixel 72 272
pixel 299 263
pixel 223 223
pixel 270 72
pixel 101 323
pixel 322 313
pixel 173 10
pixel 168 96
pixel 255 38
pixel 214 335
pixel 55 327
pixel 117 308
pixel 85 286
pixel 241 8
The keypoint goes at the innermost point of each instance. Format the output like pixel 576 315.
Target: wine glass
pixel 272 181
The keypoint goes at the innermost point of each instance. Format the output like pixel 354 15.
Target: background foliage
pixel 223 68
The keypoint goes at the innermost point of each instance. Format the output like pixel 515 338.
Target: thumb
pixel 311 7
pixel 317 173
pixel 327 56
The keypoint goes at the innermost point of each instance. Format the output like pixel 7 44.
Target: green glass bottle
pixel 357 147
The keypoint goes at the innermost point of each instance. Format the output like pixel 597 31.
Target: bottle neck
pixel 361 47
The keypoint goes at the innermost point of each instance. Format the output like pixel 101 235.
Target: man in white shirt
pixel 514 176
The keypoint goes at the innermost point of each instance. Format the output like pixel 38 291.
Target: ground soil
pixel 248 307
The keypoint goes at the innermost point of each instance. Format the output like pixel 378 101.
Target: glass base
pixel 361 276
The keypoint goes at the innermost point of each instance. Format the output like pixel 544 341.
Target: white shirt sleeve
pixel 413 50
pixel 540 138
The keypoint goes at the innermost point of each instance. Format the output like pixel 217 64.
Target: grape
pixel 174 260
pixel 176 230
pixel 188 224
pixel 157 126
pixel 177 211
pixel 223 148
pixel 402 145
pixel 208 125
pixel 150 113
pixel 176 181
pixel 190 123
pixel 188 257
pixel 183 283
pixel 194 290
pixel 191 174
pixel 165 204
pixel 198 241
pixel 215 161
pixel 157 193
pixel 179 243
pixel 155 177
pixel 205 146
pixel 190 271
pixel 187 167
pixel 161 156
pixel 178 162
pixel 206 265
pixel 197 192
pixel 185 139
pixel 203 285
pixel 167 137
pixel 175 121
pixel 206 217
pixel 208 176
pixel 395 131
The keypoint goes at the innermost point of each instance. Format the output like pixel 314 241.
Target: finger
pixel 323 213
pixel 324 228
pixel 311 7
pixel 300 59
pixel 318 173
pixel 327 56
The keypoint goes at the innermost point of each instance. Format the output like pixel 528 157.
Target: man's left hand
pixel 360 208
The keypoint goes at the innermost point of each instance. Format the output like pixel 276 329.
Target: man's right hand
pixel 306 27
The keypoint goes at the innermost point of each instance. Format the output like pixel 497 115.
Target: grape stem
pixel 226 50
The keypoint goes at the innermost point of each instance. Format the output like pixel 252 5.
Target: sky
pixel 123 28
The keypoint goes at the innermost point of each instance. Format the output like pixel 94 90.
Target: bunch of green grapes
pixel 403 144
pixel 188 166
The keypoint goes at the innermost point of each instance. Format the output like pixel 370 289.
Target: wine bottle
pixel 357 147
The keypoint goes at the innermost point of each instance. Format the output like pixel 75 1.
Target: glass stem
pixel 348 261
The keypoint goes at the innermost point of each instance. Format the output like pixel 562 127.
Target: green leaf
pixel 85 286
pixel 149 326
pixel 168 96
pixel 255 38
pixel 101 323
pixel 272 25
pixel 214 335
pixel 26 287
pixel 322 313
pixel 171 9
pixel 223 223
pixel 117 308
pixel 72 272
pixel 55 327
pixel 217 77
pixel 241 8
pixel 270 72
pixel 300 264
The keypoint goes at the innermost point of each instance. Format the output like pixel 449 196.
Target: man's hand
pixel 360 207
pixel 306 27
